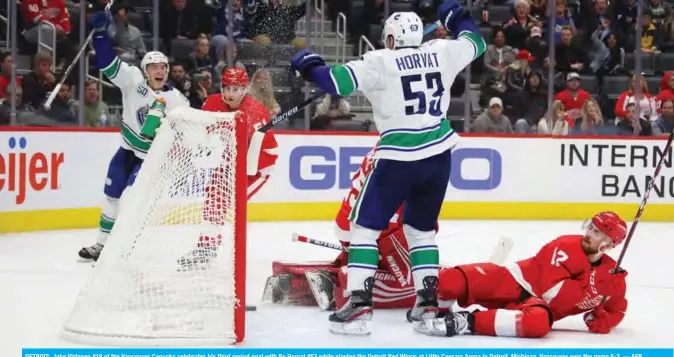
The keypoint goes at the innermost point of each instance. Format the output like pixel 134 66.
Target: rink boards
pixel 53 178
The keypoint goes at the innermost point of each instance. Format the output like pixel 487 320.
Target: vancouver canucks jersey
pixel 409 89
pixel 137 97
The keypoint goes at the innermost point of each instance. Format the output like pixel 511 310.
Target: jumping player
pixel 569 276
pixel 144 92
pixel 232 99
pixel 323 283
pixel 408 85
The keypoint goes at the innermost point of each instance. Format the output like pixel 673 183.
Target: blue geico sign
pixel 323 167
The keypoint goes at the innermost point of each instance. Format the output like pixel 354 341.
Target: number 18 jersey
pixel 409 89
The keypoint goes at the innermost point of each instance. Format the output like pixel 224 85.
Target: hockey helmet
pixel 153 57
pixel 406 28
pixel 611 225
pixel 237 77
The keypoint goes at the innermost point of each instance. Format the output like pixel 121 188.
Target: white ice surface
pixel 40 279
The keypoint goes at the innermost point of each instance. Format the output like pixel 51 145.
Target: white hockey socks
pixel 424 255
pixel 109 213
pixel 363 257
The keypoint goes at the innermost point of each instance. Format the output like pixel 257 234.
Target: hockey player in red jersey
pixel 570 275
pixel 323 283
pixel 264 153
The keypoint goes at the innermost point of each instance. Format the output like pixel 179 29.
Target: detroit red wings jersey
pixel 52 11
pixel 257 116
pixel 563 277
pixel 342 220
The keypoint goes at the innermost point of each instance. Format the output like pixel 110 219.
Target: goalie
pixel 324 283
pixel 262 155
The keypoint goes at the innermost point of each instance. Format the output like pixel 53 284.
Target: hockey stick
pixel 289 113
pixel 498 256
pixel 305 239
pixel 640 211
pixel 431 28
pixel 57 88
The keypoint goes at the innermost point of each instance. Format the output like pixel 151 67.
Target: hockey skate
pixel 355 316
pixel 198 259
pixel 426 306
pixel 452 324
pixel 91 253
pixel 322 286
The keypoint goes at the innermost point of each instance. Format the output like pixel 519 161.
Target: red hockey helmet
pixel 237 77
pixel 611 225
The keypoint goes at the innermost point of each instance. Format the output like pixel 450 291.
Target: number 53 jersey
pixel 409 89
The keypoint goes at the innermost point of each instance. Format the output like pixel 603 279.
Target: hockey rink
pixel 40 279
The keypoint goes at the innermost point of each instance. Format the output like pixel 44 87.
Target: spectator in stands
pixel 539 8
pixel 562 18
pixel 614 61
pixel 6 73
pixel 573 98
pixel 275 23
pixel 570 56
pixel 626 15
pixel 6 106
pixel 332 107
pixel 127 38
pixel 497 57
pixel 222 62
pixel 518 27
pixel 558 79
pixel 530 104
pixel 666 88
pixel 667 42
pixel 492 119
pixel 179 79
pixel 595 12
pixel 599 53
pixel 664 125
pixel 537 47
pixel 262 89
pixel 40 81
pixel 647 103
pixel 220 38
pixel 558 124
pixel 200 57
pixel 61 108
pixel 95 110
pixel 178 22
pixel 591 121
pixel 516 75
pixel 633 125
pixel 201 88
pixel 660 11
pixel 41 15
pixel 651 35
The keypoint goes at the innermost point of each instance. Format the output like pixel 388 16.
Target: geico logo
pixel 21 169
pixel 324 167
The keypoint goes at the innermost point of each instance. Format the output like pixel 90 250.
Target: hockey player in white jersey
pixel 408 85
pixel 144 95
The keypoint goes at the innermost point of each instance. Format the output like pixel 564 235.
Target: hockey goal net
pixel 192 185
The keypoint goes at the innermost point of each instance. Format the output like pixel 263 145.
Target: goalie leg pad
pixel 395 257
pixel 289 285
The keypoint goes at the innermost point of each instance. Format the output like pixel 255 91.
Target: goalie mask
pixel 155 68
pixel 234 86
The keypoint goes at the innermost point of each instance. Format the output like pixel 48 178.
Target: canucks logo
pixel 141 113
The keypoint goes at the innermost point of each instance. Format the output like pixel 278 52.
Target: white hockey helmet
pixel 406 28
pixel 153 57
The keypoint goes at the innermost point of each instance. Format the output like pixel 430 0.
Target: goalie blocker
pixel 324 283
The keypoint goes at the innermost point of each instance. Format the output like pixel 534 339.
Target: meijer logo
pixel 20 170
